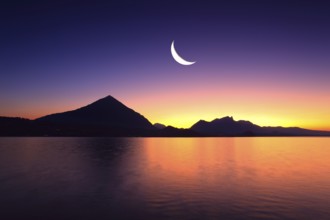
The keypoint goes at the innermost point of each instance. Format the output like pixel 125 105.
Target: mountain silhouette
pixel 10 126
pixel 109 117
pixel 159 126
pixel 107 111
pixel 223 126
pixel 171 131
pixel 227 126
pixel 104 117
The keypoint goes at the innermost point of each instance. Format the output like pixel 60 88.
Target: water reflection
pixel 251 177
pixel 165 178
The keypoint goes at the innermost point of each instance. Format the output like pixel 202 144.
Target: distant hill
pixel 16 126
pixel 159 126
pixel 227 126
pixel 171 131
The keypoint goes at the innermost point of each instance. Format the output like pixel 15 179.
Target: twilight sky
pixel 264 61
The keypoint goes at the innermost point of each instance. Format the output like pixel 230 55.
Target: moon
pixel 178 58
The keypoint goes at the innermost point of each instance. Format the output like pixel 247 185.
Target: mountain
pixel 105 117
pixel 104 112
pixel 111 118
pixel 223 126
pixel 227 126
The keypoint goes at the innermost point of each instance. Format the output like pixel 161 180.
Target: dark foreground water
pixel 164 178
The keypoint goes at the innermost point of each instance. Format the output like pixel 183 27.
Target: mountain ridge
pixel 227 126
pixel 109 117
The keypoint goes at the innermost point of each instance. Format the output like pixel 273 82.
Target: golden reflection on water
pixel 168 178
pixel 290 167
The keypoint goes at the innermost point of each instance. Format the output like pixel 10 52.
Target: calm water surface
pixel 164 178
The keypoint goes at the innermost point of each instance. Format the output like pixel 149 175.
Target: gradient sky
pixel 263 61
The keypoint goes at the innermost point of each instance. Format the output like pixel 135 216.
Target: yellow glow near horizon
pixel 186 121
pixel 271 108
pixel 183 106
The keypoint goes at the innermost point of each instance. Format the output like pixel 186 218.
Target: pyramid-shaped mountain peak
pixel 106 111
pixel 106 102
pixel 108 98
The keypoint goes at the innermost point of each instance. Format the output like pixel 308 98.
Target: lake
pixel 165 178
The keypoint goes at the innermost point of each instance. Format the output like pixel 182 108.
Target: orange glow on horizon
pixel 272 108
pixel 182 106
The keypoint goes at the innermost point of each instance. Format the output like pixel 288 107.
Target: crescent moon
pixel 178 58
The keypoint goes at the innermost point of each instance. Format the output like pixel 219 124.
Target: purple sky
pixel 60 55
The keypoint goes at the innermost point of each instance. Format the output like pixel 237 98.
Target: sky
pixel 264 61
